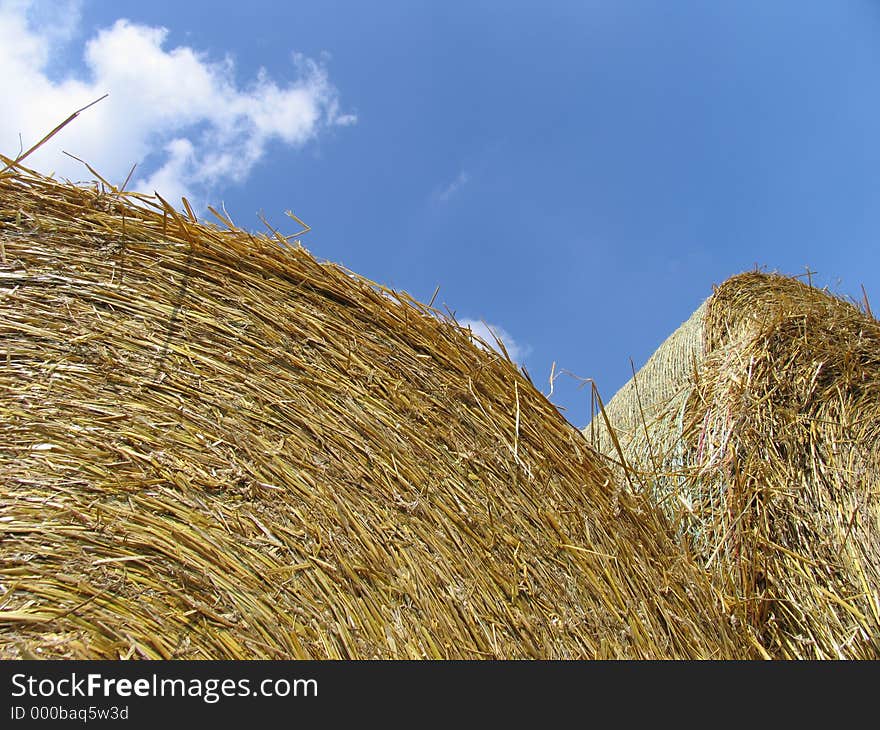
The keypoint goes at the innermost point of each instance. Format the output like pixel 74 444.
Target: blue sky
pixel 577 174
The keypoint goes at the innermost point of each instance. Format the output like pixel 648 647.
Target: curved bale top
pixel 756 427
pixel 214 446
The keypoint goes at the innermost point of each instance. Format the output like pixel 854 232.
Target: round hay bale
pixel 762 443
pixel 214 446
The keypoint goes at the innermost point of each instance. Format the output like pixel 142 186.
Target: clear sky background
pixel 576 174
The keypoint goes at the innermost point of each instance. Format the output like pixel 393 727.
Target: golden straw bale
pixel 214 446
pixel 756 427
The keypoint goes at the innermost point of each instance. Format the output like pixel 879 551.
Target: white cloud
pixel 56 20
pixel 168 179
pixel 346 120
pixel 488 334
pixel 460 181
pixel 177 113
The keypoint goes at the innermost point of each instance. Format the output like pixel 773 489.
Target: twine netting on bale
pixel 765 452
pixel 661 384
pixel 214 446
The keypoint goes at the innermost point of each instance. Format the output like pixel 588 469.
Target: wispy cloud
pixel 444 194
pixel 176 112
pixel 487 333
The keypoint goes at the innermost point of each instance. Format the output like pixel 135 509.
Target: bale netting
pixel 756 427
pixel 214 446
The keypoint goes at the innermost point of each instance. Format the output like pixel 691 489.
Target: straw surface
pixel 665 379
pixel 214 446
pixel 768 459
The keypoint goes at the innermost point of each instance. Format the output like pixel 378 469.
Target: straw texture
pixel 763 447
pixel 661 383
pixel 214 446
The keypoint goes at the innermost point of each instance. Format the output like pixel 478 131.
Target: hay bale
pixel 756 427
pixel 214 446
